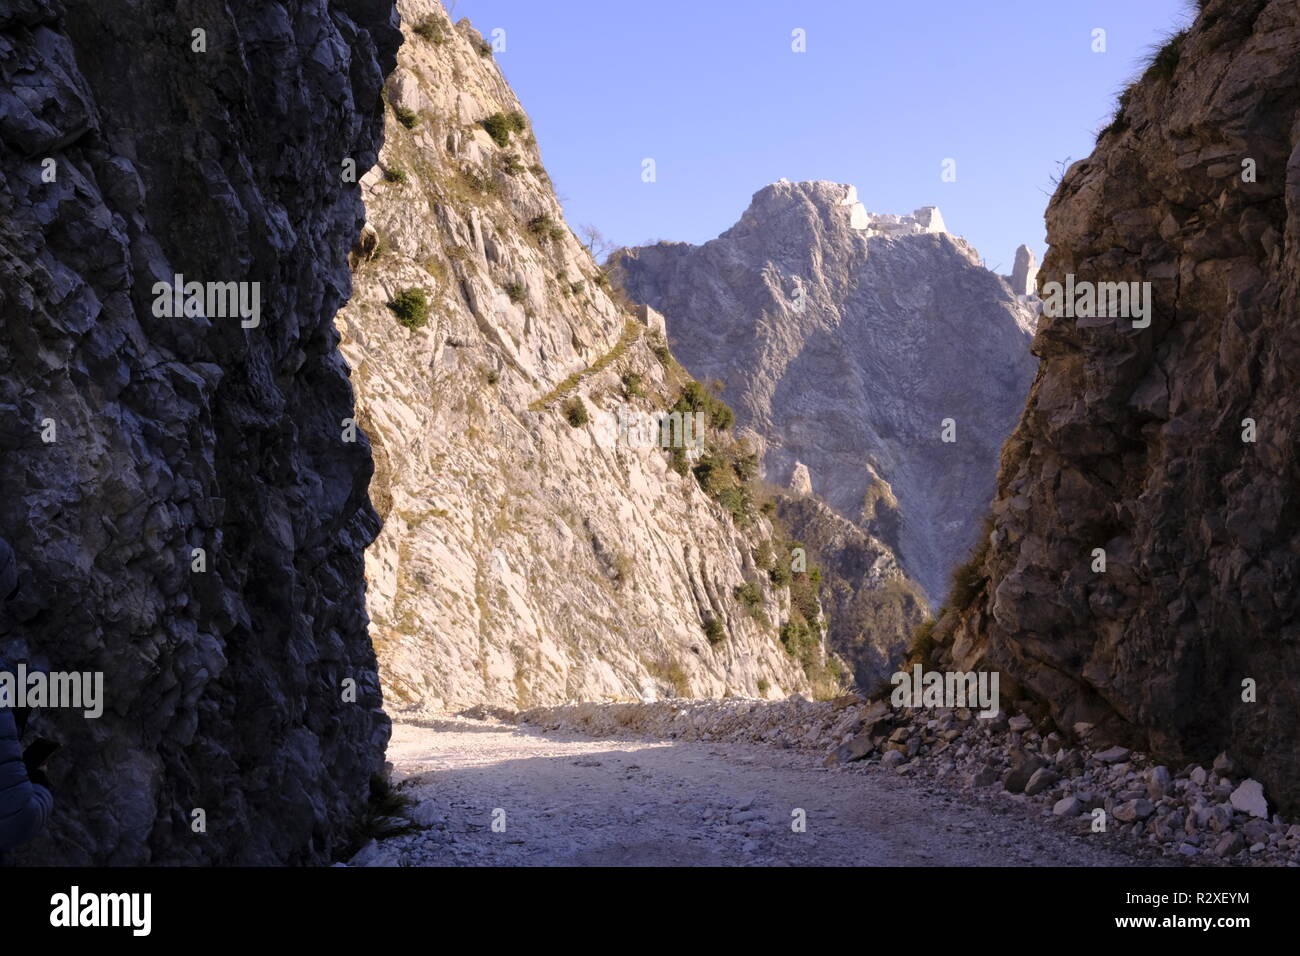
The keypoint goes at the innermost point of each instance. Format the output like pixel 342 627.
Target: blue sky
pixel 887 90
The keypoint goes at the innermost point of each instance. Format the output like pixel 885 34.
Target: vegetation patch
pixel 411 306
pixel 500 125
pixel 1163 61
pixel 543 228
pixel 714 631
pixel 407 117
pixel 429 28
pixel 575 412
pixel 631 332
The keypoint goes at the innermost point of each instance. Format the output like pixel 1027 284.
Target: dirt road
pixel 561 799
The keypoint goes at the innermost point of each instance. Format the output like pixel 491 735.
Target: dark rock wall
pixel 1132 438
pixel 224 689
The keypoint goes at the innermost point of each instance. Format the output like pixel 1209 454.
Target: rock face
pixel 872 605
pixel 533 551
pixel 1136 440
pixel 130 439
pixel 846 339
pixel 1024 275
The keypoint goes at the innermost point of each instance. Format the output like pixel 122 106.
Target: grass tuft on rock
pixel 411 306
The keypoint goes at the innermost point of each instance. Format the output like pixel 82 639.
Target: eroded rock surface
pixel 528 556
pixel 1135 440
pixel 128 440
pixel 845 339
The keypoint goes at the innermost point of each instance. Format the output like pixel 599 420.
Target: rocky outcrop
pixel 1164 453
pixel 538 545
pixel 857 344
pixel 872 606
pixel 187 517
pixel 1024 274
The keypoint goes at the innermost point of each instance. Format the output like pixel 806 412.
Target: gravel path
pixel 573 800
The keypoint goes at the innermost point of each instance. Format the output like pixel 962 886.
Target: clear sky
pixel 886 91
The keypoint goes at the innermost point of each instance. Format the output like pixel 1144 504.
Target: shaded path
pixel 571 800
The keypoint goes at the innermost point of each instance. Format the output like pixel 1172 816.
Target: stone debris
pixel 1192 814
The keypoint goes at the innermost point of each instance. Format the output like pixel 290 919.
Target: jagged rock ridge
pixel 844 340
pixel 130 440
pixel 1134 440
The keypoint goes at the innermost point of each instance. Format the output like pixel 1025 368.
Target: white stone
pixel 1249 798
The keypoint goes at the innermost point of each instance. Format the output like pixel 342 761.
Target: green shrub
pixel 800 641
pixel 484 48
pixel 511 165
pixel 714 631
pixel 764 685
pixel 696 398
pixel 515 291
pixel 632 387
pixel 407 117
pixel 430 29
pixel 576 412
pixel 543 227
pixel 479 184
pixel 500 125
pixel 921 647
pixel 748 594
pixel 968 579
pixel 411 307
pixel 395 175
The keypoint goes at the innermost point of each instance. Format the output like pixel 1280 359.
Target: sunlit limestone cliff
pixel 533 551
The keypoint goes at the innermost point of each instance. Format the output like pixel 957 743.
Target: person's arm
pixel 24 806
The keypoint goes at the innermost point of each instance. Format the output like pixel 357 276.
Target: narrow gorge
pixel 406 528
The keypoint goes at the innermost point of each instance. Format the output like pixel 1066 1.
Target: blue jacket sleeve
pixel 24 806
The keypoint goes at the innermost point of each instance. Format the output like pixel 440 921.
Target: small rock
pixel 1020 723
pixel 1199 776
pixel 1134 810
pixel 1068 807
pixel 1042 779
pixel 1023 767
pixel 1159 782
pixel 1230 844
pixel 1113 755
pixel 1249 798
pixel 892 759
pixel 1224 765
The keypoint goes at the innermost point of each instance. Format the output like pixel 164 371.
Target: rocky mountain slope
pixel 847 341
pixel 533 550
pixel 187 517
pixel 872 607
pixel 1171 448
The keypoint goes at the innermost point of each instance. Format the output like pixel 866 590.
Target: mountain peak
pixel 785 202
